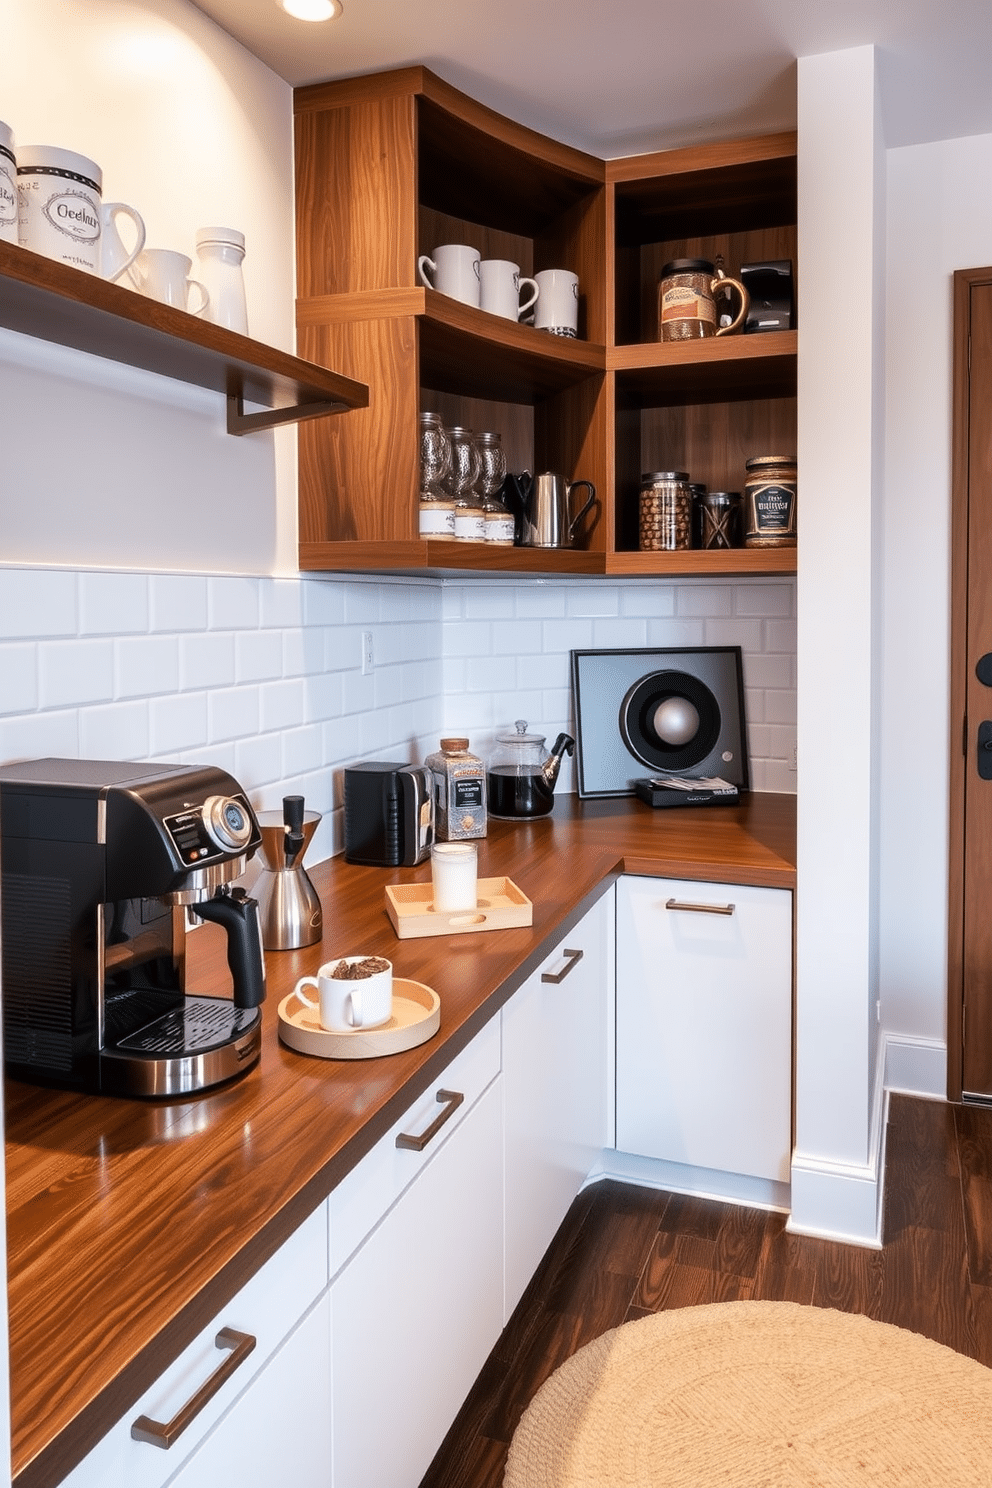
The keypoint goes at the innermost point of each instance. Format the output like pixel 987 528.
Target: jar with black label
pixel 770 502
pixel 665 511
pixel 459 791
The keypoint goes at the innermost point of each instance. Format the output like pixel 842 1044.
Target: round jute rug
pixel 758 1395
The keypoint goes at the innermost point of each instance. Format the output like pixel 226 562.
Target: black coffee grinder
pixel 102 862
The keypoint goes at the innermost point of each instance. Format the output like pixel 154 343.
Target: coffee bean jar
pixel 665 512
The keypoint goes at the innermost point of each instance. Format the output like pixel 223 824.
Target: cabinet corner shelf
pixel 714 370
pixel 54 302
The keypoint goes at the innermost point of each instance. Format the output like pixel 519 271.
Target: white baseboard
pixel 916 1066
pixel 843 1201
pixel 703 1183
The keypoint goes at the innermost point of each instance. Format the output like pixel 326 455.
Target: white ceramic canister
pixel 59 205
pixel 219 251
pixel 8 186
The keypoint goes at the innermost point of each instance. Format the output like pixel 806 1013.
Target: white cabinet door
pixel 417 1309
pixel 704 1024
pixel 555 1080
pixel 279 1431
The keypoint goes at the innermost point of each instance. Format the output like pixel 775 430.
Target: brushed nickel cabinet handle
pixel 572 959
pixel 722 909
pixel 452 1100
pixel 164 1433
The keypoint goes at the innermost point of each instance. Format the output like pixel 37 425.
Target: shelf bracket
pixel 239 422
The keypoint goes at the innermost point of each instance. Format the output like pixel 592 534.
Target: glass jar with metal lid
pixel 718 514
pixel 665 511
pixel 770 502
pixel 437 509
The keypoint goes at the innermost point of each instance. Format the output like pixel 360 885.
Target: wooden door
pixel 969 1041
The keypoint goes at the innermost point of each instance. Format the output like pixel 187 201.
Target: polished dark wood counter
pixel 130 1224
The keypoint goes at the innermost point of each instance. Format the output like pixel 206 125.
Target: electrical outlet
pixel 368 653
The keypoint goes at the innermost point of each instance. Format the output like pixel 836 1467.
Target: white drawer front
pixel 369 1190
pixel 267 1307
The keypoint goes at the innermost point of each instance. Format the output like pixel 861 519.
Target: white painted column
pixel 836 1178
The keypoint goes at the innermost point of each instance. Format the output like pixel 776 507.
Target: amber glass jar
pixel 770 502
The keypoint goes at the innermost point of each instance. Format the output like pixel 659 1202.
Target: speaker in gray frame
pixel 658 712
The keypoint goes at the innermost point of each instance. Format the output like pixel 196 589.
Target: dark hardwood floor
pixel 625 1251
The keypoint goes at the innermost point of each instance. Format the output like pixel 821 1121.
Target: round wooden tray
pixel 416 1017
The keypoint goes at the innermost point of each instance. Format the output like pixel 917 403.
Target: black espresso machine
pixel 102 863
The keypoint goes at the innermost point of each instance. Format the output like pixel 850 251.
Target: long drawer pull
pixel 723 909
pixel 164 1433
pixel 452 1100
pixel 572 959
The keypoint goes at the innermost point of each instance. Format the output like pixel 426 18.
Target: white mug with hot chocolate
pixel 353 992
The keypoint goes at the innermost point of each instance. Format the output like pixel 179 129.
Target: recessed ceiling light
pixel 312 10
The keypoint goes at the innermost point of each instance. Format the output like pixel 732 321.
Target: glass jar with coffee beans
pixel 665 511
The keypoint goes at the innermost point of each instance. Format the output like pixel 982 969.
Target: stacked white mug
pixel 8 186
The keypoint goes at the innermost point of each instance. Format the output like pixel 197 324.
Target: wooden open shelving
pixel 389 167
pixel 55 302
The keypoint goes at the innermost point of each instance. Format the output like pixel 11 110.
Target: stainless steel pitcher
pixel 548 518
pixel 288 905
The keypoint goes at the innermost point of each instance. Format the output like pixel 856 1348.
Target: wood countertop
pixel 131 1223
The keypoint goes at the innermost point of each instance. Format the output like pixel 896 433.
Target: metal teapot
pixel 521 776
pixel 544 507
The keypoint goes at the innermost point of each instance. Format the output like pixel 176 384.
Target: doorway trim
pixel 964 281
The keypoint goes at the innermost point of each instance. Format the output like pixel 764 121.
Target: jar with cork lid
pixel 459 780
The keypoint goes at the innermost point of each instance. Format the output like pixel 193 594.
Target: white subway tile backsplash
pixel 653 601
pixel 114 731
pixel 178 602
pixel 232 603
pixel 591 600
pixel 263 675
pixel 627 633
pixel 283 704
pixel 206 661
pixel 18 678
pixel 37 602
pixel 113 603
pixel 72 672
pixel 301 750
pixel 146 667
pixel 564 636
pixel 177 721
pixel 258 655
pixel 281 602
pixel 765 600
pixel 540 601
pixel 675 633
pixel 709 600
pixel 325 603
pixel 488 602
pixel 232 712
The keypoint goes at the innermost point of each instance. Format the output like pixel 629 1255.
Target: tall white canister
pixel 220 251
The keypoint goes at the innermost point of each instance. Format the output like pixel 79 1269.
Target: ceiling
pixel 618 77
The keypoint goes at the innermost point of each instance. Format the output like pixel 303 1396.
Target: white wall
pixel 111 466
pixel 835 1176
pixel 939 220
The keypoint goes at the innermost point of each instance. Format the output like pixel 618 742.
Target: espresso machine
pixel 103 865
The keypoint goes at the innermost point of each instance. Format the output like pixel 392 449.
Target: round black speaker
pixel 670 720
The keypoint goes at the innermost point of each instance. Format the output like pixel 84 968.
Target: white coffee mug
pixel 60 213
pixel 115 257
pixel 500 286
pixel 557 308
pixel 8 186
pixel 455 267
pixel 345 1004
pixel 162 274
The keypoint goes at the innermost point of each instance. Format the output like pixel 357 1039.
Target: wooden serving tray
pixel 416 1017
pixel 500 905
